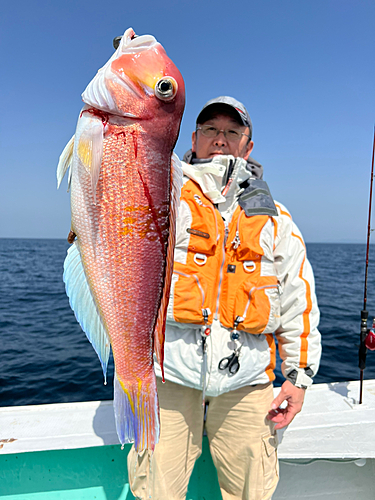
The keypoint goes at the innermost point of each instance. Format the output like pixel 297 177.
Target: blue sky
pixel 304 69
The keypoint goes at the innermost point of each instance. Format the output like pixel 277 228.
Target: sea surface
pixel 46 358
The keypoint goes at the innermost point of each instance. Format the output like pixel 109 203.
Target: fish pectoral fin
pixel 159 332
pixel 136 411
pixel 90 150
pixel 83 304
pixel 65 161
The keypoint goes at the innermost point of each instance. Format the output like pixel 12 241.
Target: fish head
pixel 139 81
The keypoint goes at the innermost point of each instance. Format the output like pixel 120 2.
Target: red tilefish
pixel 125 185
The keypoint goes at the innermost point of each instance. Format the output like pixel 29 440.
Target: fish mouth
pixel 133 44
pixel 99 92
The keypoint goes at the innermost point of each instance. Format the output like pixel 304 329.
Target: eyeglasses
pixel 229 134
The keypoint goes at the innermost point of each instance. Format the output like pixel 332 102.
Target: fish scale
pixel 124 197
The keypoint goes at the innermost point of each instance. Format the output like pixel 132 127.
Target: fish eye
pixel 166 88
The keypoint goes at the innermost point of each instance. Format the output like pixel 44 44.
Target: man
pixel 240 276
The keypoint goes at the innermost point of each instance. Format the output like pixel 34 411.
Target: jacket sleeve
pixel 298 336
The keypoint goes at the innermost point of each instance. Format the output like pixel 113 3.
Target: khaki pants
pixel 242 444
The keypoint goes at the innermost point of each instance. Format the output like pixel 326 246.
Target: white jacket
pixel 296 327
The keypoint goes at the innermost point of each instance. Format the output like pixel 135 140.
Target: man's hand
pixel 294 397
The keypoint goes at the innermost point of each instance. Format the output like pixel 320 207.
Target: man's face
pixel 208 147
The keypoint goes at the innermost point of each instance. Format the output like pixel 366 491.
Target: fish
pixel 125 184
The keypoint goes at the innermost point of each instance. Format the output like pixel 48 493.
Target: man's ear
pixel 249 149
pixel 193 141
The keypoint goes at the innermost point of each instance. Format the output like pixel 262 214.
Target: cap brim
pixel 207 109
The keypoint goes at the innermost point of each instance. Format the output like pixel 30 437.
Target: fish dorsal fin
pixel 90 150
pixel 83 304
pixel 159 332
pixel 65 161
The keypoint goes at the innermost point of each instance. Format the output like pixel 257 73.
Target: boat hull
pixel 71 451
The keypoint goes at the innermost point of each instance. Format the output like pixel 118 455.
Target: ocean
pixel 46 358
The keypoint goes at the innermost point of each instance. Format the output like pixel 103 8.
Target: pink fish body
pixel 124 195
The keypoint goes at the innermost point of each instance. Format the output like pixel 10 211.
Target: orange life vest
pixel 223 272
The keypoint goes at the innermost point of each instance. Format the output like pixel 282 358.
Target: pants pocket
pixel 270 462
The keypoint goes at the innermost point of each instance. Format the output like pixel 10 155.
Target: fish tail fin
pixel 136 410
pixel 159 332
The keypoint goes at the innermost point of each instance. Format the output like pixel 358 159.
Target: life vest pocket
pixel 189 297
pixel 257 305
pixel 244 237
pixel 204 232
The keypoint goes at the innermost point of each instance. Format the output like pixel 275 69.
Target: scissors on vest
pixel 231 362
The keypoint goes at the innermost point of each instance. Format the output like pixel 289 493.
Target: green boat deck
pixel 98 473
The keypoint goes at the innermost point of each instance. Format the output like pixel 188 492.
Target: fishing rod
pixel 367 336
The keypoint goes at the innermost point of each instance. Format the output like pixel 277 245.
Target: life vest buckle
pixel 235 334
pixel 205 313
